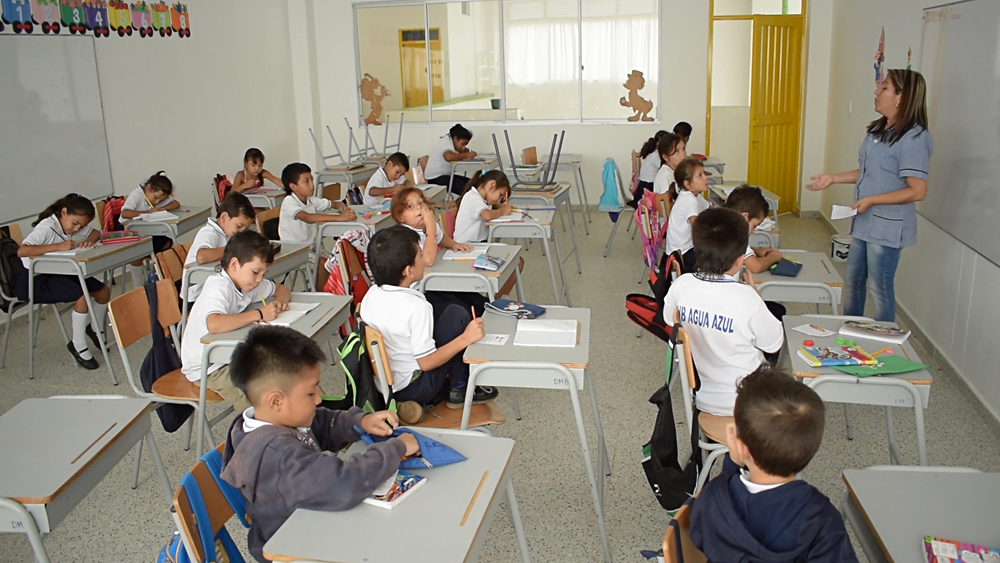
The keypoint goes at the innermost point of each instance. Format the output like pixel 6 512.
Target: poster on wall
pixel 641 106
pixel 100 17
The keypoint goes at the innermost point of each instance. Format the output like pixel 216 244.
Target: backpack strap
pixel 213 459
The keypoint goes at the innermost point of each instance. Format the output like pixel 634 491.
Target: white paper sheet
pixel 842 212
pixel 494 339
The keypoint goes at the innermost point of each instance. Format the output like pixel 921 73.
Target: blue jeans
pixel 870 260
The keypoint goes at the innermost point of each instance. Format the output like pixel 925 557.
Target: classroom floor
pixel 116 523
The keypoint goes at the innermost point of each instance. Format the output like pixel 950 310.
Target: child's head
pixel 460 136
pixel 671 149
pixel 253 161
pixel 492 185
pixel 683 130
pixel 689 175
pixel 158 188
pixel 392 256
pixel 720 238
pixel 297 178
pixel 278 369
pixel 409 206
pixel 396 165
pixel 779 422
pixel 748 201
pixel 246 258
pixel 236 214
pixel 73 211
pixel 649 147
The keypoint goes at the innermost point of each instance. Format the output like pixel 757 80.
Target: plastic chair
pixel 448 220
pixel 677 545
pixel 200 512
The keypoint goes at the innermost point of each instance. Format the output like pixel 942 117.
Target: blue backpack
pixel 609 199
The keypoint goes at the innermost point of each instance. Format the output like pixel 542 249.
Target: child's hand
pixel 412 448
pixel 463 247
pixel 271 310
pixel 85 244
pixel 505 209
pixel 348 214
pixel 430 222
pixel 774 253
pixel 281 306
pixel 65 245
pixel 475 331
pixel 380 423
pixel 472 154
pixel 340 205
pixel 748 278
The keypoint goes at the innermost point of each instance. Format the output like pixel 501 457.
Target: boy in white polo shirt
pixel 425 353
pixel 729 326
pixel 235 215
pixel 301 210
pixel 222 305
pixel 387 180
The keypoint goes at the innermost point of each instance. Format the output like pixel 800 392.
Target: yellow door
pixel 776 106
pixel 413 68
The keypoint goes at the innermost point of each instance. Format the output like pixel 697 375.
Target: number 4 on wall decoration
pixel 97 17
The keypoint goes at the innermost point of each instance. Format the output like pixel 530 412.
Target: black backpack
pixel 11 268
pixel 360 379
pixel 161 359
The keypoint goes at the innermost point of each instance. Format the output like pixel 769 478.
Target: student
pixel 154 195
pixel 281 452
pixel 683 130
pixel 728 324
pixel 651 163
pixel 749 202
pixel 388 179
pixel 236 214
pixel 425 353
pixel 68 216
pixel 758 511
pixel 453 147
pixel 685 193
pixel 671 150
pixel 253 173
pixel 222 307
pixel 301 210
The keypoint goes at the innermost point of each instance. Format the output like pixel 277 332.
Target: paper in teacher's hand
pixel 842 212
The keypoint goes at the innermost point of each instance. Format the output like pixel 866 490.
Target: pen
pixel 57 233
pixel 149 203
pixel 473 308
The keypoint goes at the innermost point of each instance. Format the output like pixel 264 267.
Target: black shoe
pixel 456 397
pixel 85 364
pixel 93 338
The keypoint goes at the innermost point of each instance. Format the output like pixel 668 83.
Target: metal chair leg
pixel 138 460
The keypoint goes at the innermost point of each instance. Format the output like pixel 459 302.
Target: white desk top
pixel 265 191
pixel 314 322
pixel 720 191
pixel 506 251
pixel 423 528
pixel 184 216
pixel 551 194
pixel 47 443
pixel 902 507
pixel 800 368
pixel 376 219
pixel 816 267
pixel 538 217
pixel 367 168
pixel 103 250
pixel 482 160
pixel 288 250
pixel 577 357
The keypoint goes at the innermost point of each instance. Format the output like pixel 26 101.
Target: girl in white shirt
pixel 453 147
pixel 690 182
pixel 650 165
pixel 672 151
pixel 53 231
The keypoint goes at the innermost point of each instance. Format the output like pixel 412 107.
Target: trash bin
pixel 840 246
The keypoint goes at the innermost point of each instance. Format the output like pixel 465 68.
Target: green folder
pixel 887 364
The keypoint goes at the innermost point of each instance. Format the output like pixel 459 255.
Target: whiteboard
pixel 960 60
pixel 52 137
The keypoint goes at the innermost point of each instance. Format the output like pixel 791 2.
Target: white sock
pixel 80 322
pixel 136 273
pixel 101 312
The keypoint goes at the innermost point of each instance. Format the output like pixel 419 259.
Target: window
pixel 512 60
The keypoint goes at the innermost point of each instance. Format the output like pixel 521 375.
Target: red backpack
pixel 112 212
pixel 647 310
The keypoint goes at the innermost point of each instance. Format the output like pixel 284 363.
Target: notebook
pixel 158 216
pixel 874 331
pixel 295 312
pixel 823 356
pixel 477 250
pixel 560 333
pixel 938 550
pixel 72 252
pixel 786 268
pixel 515 217
pixel 395 490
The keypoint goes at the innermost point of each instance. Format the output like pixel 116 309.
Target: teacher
pixel 890 179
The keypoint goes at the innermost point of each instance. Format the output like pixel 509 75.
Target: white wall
pixel 946 288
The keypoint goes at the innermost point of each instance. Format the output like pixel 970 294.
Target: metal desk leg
pixel 158 463
pixel 515 515
pixel 847 420
pixel 101 326
pixel 594 492
pixel 517 407
pixel 572 234
pixel 602 446
pixel 562 274
pixel 517 284
pixel 581 194
pixel 552 273
pixel 30 528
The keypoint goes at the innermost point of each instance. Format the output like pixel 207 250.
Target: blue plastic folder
pixel 432 452
pixel 786 268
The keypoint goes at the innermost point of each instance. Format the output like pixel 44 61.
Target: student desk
pixel 461 276
pixel 292 257
pixel 189 219
pixel 482 162
pixel 717 194
pixel 817 270
pixel 350 177
pixel 551 199
pixel 375 222
pixel 573 163
pixel 424 528
pixel 83 265
pixel 536 226
pixel 544 367
pixel 56 450
pixel 265 198
pixel 715 164
pixel 434 192
pixel 898 390
pixel 891 510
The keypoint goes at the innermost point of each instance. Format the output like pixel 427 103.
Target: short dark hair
pixel 682 129
pixel 291 174
pixel 390 252
pixel 253 155
pixel 236 204
pixel 160 183
pixel 779 419
pixel 399 159
pixel 748 199
pixel 245 246
pixel 272 357
pixel 720 236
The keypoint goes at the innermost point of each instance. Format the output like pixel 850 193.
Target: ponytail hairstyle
pixel 912 109
pixel 160 183
pixel 649 147
pixel 458 132
pixel 667 145
pixel 74 204
pixel 684 173
pixel 480 178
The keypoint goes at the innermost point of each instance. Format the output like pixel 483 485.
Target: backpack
pixel 160 360
pixel 358 375
pixel 222 188
pixel 647 311
pixel 11 268
pixel 112 214
pixel 270 229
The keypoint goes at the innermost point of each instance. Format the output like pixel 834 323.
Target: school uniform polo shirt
pixel 406 321
pixel 730 328
pixel 210 236
pixel 219 295
pixel 136 201
pixel 291 229
pixel 469 226
pixel 437 166
pixel 438 235
pixel 884 168
pixel 661 181
pixel 650 166
pixel 50 231
pixel 679 229
pixel 380 180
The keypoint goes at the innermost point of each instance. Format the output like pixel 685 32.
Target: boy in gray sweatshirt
pixel 281 452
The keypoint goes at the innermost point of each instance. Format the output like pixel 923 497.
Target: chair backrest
pixel 663 205
pixel 99 206
pixel 636 162
pixel 677 544
pixel 379 357
pixel 686 371
pixel 422 161
pixel 130 313
pixel 215 504
pixel 448 219
pixel 264 216
pixel 170 264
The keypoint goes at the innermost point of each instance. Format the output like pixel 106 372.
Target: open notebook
pixel 546 332
pixel 477 250
pixel 295 312
pixel 158 216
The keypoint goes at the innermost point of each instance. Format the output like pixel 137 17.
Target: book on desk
pixel 826 356
pixel 874 331
pixel 477 250
pixel 562 333
pixel 395 490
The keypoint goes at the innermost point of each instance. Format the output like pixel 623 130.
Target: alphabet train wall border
pixel 98 16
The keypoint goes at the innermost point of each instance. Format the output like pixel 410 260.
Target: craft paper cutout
pixel 120 18
pixel 98 16
pixel 373 92
pixel 639 105
pixel 909 56
pixel 46 14
pixel 17 14
pixel 879 59
pixel 180 20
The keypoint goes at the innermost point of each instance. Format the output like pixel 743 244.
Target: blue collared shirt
pixel 883 168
